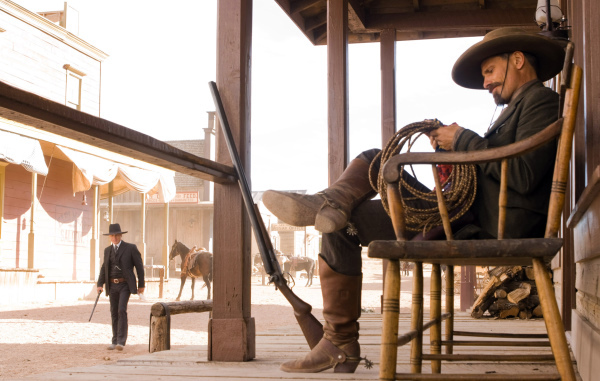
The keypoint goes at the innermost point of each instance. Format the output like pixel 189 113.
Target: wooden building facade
pixel 51 184
pixel 46 232
pixel 579 280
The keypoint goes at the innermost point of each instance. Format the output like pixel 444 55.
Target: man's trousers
pixel 119 297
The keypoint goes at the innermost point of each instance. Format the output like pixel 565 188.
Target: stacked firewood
pixel 510 291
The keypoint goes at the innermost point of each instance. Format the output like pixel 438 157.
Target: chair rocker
pixel 490 252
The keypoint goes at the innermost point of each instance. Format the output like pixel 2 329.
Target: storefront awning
pixel 91 170
pixel 17 149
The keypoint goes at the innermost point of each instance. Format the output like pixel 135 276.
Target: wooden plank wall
pixel 585 338
pixel 34 60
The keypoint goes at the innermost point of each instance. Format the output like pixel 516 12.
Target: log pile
pixel 510 291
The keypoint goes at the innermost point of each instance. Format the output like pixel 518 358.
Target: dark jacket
pixel 129 257
pixel 529 176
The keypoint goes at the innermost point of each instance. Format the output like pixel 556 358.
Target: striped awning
pixel 91 170
pixel 20 150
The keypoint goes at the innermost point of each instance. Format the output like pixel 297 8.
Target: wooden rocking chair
pixel 490 252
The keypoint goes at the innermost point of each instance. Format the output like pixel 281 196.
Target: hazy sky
pixel 162 56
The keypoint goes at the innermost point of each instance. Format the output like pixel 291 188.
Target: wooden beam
pixel 315 22
pixel 463 20
pixel 20 106
pixel 388 85
pixel 320 35
pixel 301 5
pixel 231 328
pixel 337 85
pixel 388 96
pixel 296 18
pixel 356 16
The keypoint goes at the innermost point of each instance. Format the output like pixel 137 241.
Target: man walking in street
pixel 117 273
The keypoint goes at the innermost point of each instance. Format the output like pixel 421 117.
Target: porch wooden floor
pixel 276 346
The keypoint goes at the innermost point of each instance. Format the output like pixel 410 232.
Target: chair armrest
pixel 391 171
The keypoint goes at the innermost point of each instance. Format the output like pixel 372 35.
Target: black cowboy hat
pixel 114 229
pixel 549 53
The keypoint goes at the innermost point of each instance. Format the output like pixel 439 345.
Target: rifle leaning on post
pixel 311 327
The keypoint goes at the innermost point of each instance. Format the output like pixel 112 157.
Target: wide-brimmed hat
pixel 114 229
pixel 549 53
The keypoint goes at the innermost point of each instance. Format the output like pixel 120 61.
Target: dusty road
pixel 37 338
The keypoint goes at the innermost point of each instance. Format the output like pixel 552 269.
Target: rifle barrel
pixel 267 254
pixel 311 327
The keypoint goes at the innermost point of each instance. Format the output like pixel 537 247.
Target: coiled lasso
pixel 459 189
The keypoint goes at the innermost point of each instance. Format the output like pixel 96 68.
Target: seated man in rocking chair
pixel 511 64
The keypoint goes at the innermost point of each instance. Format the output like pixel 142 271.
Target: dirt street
pixel 37 338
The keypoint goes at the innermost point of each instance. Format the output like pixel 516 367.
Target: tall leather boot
pixel 328 210
pixel 339 348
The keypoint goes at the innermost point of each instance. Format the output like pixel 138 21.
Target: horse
pixel 193 264
pixel 286 266
pixel 300 264
pixel 258 262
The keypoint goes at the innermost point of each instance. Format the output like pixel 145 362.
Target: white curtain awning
pixel 91 170
pixel 17 149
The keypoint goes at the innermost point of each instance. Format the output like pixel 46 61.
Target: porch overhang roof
pixel 412 19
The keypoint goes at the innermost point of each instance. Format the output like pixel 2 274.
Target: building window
pixel 73 87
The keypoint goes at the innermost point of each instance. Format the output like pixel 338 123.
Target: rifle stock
pixel 310 326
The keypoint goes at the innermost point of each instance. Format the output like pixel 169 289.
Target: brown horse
pixel 300 264
pixel 193 264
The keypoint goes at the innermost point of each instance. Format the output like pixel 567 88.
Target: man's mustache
pixel 490 87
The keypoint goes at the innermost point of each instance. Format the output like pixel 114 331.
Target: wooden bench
pixel 160 320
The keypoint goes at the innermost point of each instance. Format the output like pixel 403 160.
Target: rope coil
pixel 459 189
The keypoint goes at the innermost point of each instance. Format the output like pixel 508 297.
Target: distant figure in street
pixel 117 273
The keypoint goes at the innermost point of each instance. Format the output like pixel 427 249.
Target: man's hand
pixel 444 136
pixel 99 289
pixel 141 290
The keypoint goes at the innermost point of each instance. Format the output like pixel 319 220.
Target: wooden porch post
pixel 165 251
pixel 231 329
pixel 388 84
pixel 387 56
pixel 337 85
pixel 110 203
pixel 2 185
pixel 31 237
pixel 94 240
pixel 143 227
